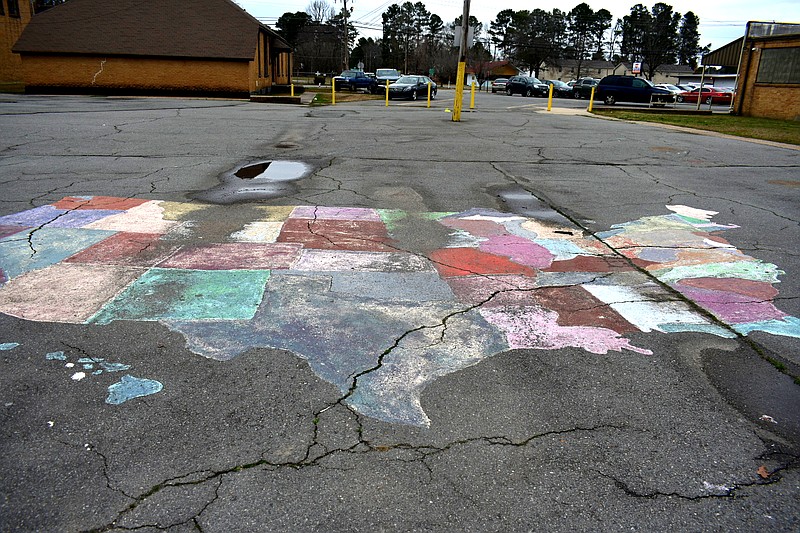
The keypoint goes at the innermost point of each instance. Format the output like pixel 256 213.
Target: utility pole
pixel 462 63
pixel 346 37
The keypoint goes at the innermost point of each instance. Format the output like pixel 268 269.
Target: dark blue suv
pixel 613 89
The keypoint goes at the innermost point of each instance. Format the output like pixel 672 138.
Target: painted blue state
pixel 130 387
pixel 47 247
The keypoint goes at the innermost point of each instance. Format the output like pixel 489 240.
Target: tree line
pixel 416 40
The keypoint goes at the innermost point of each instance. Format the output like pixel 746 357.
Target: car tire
pixel 528 93
pixel 509 92
pixel 493 91
pixel 679 99
pixel 709 100
pixel 609 99
pixel 576 95
pixel 413 95
pixel 433 95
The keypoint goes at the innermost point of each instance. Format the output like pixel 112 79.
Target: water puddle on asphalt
pixel 259 180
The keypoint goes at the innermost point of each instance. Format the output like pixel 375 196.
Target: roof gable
pixel 167 28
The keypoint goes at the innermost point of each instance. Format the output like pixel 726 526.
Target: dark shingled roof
pixel 217 29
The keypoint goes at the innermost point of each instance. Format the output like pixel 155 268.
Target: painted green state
pixel 177 294
pixel 752 270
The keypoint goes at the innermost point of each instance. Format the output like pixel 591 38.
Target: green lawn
pixel 784 131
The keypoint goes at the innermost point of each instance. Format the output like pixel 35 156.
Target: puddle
pixel 259 180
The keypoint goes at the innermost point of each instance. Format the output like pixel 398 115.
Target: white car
pixel 674 89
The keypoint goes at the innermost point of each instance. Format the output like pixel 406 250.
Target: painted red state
pixel 757 290
pixel 99 202
pixel 235 256
pixel 6 230
pixel 578 307
pixel 469 261
pixel 126 248
pixel 353 235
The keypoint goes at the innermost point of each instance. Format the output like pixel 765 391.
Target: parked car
pixel 685 86
pixel 674 89
pixel 710 95
pixel 560 88
pixel 412 87
pixel 386 74
pixel 499 85
pixel 583 87
pixel 526 86
pixel 613 89
pixel 354 80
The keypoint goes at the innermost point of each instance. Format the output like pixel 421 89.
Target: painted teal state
pixel 130 387
pixel 787 327
pixel 47 246
pixel 177 294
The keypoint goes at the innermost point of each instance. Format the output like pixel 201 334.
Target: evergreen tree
pixel 689 40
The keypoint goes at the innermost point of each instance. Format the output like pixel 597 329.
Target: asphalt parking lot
pixel 220 315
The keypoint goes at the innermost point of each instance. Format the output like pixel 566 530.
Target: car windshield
pixel 386 72
pixel 411 80
pixel 535 80
pixel 500 80
pixel 348 73
pixel 558 83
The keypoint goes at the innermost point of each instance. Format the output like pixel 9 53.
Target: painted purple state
pixel 519 250
pixel 731 307
pixel 336 213
pixel 51 217
pixel 537 328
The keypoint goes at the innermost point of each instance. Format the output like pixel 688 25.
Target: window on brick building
pixel 13 8
pixel 779 65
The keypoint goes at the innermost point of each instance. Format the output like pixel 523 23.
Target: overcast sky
pixel 721 21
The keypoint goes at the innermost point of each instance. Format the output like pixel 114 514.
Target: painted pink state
pixel 732 307
pixel 537 328
pixel 519 250
pixel 335 213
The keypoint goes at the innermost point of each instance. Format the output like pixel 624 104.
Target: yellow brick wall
pixel 766 100
pixel 10 30
pixel 143 74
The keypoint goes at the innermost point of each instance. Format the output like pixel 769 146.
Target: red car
pixel 710 96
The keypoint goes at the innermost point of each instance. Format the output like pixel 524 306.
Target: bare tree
pixel 320 11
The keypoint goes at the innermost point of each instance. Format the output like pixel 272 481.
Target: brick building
pixel 14 16
pixel 209 47
pixel 768 60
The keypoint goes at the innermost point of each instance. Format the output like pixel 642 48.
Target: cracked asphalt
pixel 544 440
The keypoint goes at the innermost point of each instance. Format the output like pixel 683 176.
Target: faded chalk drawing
pixel 380 302
pixel 127 388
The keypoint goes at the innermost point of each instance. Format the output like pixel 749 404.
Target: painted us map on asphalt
pixel 375 308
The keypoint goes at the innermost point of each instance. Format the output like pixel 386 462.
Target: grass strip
pixel 783 131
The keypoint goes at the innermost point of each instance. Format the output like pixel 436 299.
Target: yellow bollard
pixel 333 91
pixel 292 94
pixel 472 96
pixel 550 99
pixel 429 94
pixel 387 93
pixel 459 97
pixel 591 100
